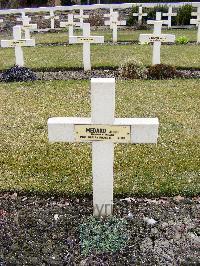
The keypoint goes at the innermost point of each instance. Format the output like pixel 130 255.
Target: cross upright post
pixel 140 14
pixel 196 22
pixel 102 129
pixel 23 15
pixel 17 43
pixel 86 40
pixel 156 38
pixel 110 14
pixel 70 24
pixel 170 14
pixel 52 17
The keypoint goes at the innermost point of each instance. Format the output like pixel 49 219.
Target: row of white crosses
pixel 196 22
pixel 156 38
pixel 102 129
pixel 18 43
pixel 114 22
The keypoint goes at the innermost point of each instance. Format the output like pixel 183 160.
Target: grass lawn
pixel 30 164
pixel 182 56
pixel 123 35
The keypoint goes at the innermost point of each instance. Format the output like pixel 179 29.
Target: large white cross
pixel 102 129
pixel 70 24
pixel 196 22
pixel 17 43
pixel 170 14
pixel 140 14
pixel 113 22
pixel 81 17
pixel 27 26
pixel 52 17
pixel 156 38
pixel 86 40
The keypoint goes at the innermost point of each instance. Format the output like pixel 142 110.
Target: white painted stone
pixel 113 22
pixel 142 130
pixel 86 40
pixel 169 16
pixel 140 14
pixel 81 17
pixel 156 38
pixel 70 24
pixel 52 17
pixel 18 43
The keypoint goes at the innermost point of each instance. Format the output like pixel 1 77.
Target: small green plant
pixel 162 71
pixel 103 235
pixel 182 40
pixel 133 69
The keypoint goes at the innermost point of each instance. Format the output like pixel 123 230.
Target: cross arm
pixel 142 130
pixel 146 38
pixel 89 39
pixel 13 43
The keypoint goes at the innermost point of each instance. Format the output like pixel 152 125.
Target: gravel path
pixel 46 231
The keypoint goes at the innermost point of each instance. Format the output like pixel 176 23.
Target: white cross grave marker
pixel 113 22
pixel 86 40
pixel 140 14
pixel 27 27
pixel 102 129
pixel 1 20
pixel 81 17
pixel 17 43
pixel 156 38
pixel 70 24
pixel 170 14
pixel 196 22
pixel 52 17
pixel 23 15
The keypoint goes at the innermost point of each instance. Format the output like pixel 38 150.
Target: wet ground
pixel 46 231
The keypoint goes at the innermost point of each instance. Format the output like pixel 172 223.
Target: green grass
pixel 123 35
pixel 182 56
pixel 30 164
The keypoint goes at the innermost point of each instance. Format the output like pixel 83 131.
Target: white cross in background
pixel 1 20
pixel 70 24
pixel 17 43
pixel 170 14
pixel 81 17
pixel 27 27
pixel 196 22
pixel 52 17
pixel 22 16
pixel 140 15
pixel 102 129
pixel 86 40
pixel 113 22
pixel 156 38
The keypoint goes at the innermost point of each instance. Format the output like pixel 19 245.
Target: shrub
pixel 96 19
pixel 162 71
pixel 184 15
pixel 182 40
pixel 133 69
pixel 152 11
